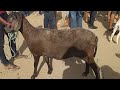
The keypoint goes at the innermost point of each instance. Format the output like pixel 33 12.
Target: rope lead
pixel 12 36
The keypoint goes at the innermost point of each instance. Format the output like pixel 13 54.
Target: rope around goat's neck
pixel 12 37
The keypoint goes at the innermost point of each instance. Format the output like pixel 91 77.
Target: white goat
pixel 116 27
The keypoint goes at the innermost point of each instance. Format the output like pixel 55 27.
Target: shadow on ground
pixel 76 69
pixel 117 55
pixel 109 73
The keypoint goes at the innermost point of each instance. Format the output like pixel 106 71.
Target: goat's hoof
pixel 85 74
pixel 32 77
pixel 116 42
pixel 50 71
pixel 110 40
pixel 99 77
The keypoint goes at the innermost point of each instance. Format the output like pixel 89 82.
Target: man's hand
pixel 7 23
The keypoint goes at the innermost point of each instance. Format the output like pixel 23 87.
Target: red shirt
pixel 1 12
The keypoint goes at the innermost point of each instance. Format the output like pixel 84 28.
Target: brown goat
pixel 58 44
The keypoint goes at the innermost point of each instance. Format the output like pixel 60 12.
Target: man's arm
pixel 4 21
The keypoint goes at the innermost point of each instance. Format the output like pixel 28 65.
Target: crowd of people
pixel 73 19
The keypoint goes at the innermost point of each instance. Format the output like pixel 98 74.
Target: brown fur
pixel 60 44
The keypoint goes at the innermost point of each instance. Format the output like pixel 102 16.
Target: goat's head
pixel 15 18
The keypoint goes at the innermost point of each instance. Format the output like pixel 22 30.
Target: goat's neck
pixel 26 28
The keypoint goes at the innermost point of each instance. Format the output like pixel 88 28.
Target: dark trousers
pixel 92 18
pixel 49 19
pixel 13 45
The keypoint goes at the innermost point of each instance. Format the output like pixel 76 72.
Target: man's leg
pixel 79 19
pixel 92 19
pixel 73 22
pixel 112 17
pixel 52 21
pixel 46 20
pixel 109 14
pixel 26 13
pixel 86 16
pixel 2 54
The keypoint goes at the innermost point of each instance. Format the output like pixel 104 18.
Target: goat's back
pixel 55 43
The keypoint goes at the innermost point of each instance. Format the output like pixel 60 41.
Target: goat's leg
pixel 86 70
pixel 49 64
pixel 114 30
pixel 117 38
pixel 36 61
pixel 95 68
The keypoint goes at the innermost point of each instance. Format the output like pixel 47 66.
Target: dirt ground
pixel 107 56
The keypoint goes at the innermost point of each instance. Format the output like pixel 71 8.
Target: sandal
pixel 12 67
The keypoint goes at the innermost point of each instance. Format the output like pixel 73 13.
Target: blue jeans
pixel 92 18
pixel 49 19
pixel 75 19
pixel 26 13
pixel 13 45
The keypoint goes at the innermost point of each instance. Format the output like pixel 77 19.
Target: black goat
pixel 58 44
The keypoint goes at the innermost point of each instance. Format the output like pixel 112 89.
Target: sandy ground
pixel 72 68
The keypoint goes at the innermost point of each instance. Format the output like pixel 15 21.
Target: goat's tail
pixel 96 41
